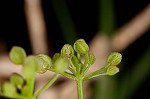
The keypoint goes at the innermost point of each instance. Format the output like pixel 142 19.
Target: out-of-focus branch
pixel 132 30
pixel 123 37
pixel 99 46
pixel 7 67
pixel 36 26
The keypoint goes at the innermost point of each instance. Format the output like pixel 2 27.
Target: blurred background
pixel 44 26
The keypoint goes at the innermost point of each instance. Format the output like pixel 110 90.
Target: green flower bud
pixel 81 47
pixel 91 59
pixel 75 61
pixel 114 58
pixel 61 64
pixel 25 90
pixel 112 70
pixel 9 89
pixel 55 57
pixel 45 63
pixel 17 55
pixel 17 80
pixel 67 51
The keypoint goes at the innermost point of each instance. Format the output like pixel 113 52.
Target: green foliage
pixel 67 63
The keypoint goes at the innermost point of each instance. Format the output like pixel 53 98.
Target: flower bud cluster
pixel 113 60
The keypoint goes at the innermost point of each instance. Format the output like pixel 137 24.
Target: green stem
pixel 48 84
pixel 85 67
pixel 68 75
pixel 30 84
pixel 80 88
pixel 96 73
pixel 78 56
pixel 73 67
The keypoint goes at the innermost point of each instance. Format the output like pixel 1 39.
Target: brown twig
pixel 131 31
pixel 123 37
pixel 36 26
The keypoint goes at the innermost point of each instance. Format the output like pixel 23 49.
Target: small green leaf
pixel 112 70
pixel 67 51
pixel 114 58
pixel 61 64
pixel 55 57
pixel 81 47
pixel 17 79
pixel 17 55
pixel 24 91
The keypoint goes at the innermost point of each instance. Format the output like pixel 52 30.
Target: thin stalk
pixel 96 73
pixel 66 74
pixel 80 88
pixel 30 83
pixel 47 85
pixel 73 67
pixel 86 65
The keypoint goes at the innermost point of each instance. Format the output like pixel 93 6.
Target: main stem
pixel 80 88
